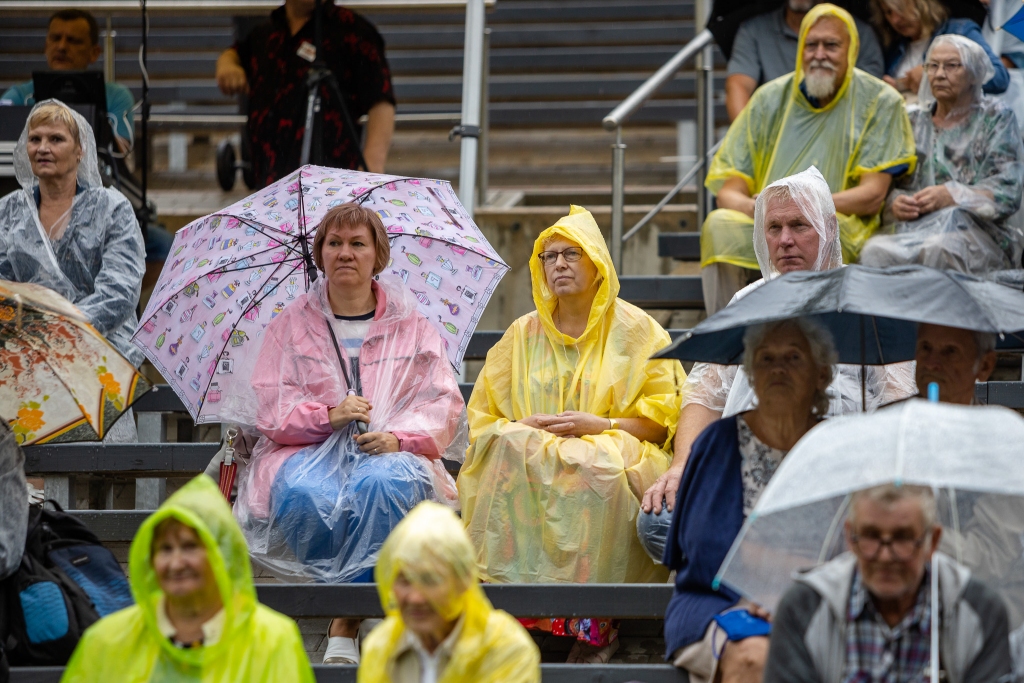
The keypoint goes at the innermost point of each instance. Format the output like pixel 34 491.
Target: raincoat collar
pixel 580 227
pixel 200 505
pixel 816 13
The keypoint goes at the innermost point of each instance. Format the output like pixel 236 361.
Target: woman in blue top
pixel 907 28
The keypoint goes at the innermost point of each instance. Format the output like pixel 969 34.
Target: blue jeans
pixel 652 530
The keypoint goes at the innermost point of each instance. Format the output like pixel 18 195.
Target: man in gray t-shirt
pixel 765 48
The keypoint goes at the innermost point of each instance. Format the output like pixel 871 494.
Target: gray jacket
pixel 808 641
pixel 13 502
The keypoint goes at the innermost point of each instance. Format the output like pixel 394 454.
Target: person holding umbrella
pixel 357 404
pixel 954 359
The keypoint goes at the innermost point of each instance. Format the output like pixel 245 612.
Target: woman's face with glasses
pixel 946 73
pixel 568 269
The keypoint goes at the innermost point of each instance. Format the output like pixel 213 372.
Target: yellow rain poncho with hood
pixel 256 644
pixel 864 129
pixel 430 549
pixel 543 508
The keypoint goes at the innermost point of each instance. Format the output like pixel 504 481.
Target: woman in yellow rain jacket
pixel 196 618
pixel 569 424
pixel 427 579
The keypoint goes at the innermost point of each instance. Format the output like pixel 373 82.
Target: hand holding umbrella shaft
pixel 352 408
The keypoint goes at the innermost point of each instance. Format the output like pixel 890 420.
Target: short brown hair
pixel 53 112
pixel 353 216
pixel 76 14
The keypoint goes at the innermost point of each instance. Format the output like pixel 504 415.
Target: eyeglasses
pixel 571 255
pixel 948 67
pixel 902 548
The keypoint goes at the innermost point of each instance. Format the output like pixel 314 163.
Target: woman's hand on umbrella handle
pixel 352 408
pixel 376 443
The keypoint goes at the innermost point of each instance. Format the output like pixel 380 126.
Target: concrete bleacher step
pixel 683 246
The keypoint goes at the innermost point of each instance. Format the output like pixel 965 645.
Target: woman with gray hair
pixel 955 210
pixel 790 364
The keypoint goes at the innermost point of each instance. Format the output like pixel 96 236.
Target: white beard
pixel 820 84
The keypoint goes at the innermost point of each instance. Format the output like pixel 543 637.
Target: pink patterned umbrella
pixel 232 272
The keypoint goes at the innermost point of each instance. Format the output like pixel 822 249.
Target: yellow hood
pixel 816 13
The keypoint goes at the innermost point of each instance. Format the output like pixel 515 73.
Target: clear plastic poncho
pixel 99 260
pixel 430 548
pixel 542 508
pixel 980 161
pixel 779 133
pixel 13 501
pixel 257 645
pixel 311 503
pixel 727 389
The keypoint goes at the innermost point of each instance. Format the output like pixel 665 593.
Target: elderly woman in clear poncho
pixel 795 228
pixel 65 231
pixel 569 424
pixel 357 403
pixel 956 210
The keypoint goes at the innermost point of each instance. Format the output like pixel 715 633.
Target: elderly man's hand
pixel 905 208
pixel 933 198
pixel 664 487
pixel 231 79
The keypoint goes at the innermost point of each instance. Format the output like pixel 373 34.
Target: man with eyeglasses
pixel 866 615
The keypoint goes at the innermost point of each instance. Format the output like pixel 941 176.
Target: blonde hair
pixel 54 113
pixel 351 216
pixel 930 13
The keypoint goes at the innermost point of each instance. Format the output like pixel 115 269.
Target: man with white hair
pixel 795 228
pixel 847 123
pixel 866 615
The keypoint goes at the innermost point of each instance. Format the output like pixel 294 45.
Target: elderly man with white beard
pixel 827 113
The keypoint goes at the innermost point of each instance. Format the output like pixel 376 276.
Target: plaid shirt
pixel 876 653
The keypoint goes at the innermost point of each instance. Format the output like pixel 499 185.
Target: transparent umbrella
pixel 970 455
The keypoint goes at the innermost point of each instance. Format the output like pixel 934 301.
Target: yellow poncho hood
pixel 256 643
pixel 430 547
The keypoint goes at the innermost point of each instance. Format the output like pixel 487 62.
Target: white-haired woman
pixel 66 231
pixel 790 364
pixel 954 211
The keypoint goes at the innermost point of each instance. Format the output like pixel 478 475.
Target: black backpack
pixel 67 581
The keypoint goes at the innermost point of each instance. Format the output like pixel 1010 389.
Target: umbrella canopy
pixel 971 454
pixel 60 379
pixel 872 313
pixel 232 272
pixel 1015 25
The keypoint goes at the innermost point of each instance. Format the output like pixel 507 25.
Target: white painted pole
pixel 472 82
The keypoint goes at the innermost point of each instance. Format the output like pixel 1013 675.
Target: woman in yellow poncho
pixel 196 618
pixel 569 424
pixel 438 618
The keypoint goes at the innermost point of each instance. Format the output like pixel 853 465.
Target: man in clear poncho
pixel 440 626
pixel 848 124
pixel 569 424
pixel 240 641
pixel 65 231
pixel 956 210
pixel 795 228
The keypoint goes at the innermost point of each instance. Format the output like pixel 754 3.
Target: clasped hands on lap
pixel 358 408
pixel 569 423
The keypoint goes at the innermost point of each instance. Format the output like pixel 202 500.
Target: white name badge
pixel 307 51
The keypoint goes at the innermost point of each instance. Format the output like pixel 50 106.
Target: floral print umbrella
pixel 232 272
pixel 60 379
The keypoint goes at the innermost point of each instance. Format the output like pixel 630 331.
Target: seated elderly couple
pixel 569 424
pixel 958 160
pixel 790 368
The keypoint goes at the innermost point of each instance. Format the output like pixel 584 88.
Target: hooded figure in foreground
pixel 569 424
pixel 437 613
pixel 191 542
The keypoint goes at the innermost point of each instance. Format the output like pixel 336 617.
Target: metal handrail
pixel 211 6
pixel 628 107
pixel 672 193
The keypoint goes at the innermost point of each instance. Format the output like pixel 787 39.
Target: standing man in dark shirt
pixel 271 64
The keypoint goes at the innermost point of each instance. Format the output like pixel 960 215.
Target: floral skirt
pixel 596 632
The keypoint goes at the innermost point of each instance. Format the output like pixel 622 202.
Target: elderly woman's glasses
pixel 901 547
pixel 571 255
pixel 947 67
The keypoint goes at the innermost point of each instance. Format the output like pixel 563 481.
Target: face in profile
pixel 52 150
pixel 349 254
pixel 180 562
pixel 901 15
pixel 792 240
pixel 567 267
pixel 784 371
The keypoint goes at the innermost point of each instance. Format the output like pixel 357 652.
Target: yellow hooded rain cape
pixel 542 508
pixel 430 547
pixel 256 644
pixel 864 129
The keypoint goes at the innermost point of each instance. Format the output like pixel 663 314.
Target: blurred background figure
pixel 440 625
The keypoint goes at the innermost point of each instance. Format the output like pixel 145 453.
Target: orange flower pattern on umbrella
pixel 28 422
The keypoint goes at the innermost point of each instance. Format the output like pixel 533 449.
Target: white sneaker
pixel 342 650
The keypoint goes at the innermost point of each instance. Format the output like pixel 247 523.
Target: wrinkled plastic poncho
pixel 301 463
pixel 430 548
pixel 727 389
pixel 13 501
pixel 542 508
pixel 981 163
pixel 97 263
pixel 257 644
pixel 863 130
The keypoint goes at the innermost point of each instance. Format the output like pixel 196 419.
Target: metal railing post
pixel 618 198
pixel 485 121
pixel 705 110
pixel 472 80
pixel 108 51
